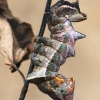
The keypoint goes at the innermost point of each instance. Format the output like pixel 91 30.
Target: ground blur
pixel 84 67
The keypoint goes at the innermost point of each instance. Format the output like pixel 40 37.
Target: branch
pixel 41 32
pixel 21 74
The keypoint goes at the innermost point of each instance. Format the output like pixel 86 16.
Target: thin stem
pixel 17 69
pixel 41 32
pixel 21 74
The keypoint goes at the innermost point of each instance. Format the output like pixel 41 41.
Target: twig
pixel 41 32
pixel 21 74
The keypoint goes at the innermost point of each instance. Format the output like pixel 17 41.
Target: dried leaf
pixel 23 33
pixel 3 5
pixel 16 38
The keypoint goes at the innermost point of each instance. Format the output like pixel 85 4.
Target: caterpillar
pixel 53 51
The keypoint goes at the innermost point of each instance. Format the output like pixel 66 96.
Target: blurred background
pixel 84 67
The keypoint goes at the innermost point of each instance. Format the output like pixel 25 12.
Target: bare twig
pixel 21 74
pixel 17 69
pixel 41 32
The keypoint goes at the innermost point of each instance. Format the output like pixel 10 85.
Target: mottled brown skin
pixel 58 87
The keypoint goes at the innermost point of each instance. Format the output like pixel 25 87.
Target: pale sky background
pixel 84 67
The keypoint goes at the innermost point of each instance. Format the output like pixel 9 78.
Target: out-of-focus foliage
pixel 16 37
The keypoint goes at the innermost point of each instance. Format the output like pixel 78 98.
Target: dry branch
pixel 41 32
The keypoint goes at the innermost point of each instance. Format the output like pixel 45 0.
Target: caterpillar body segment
pixel 63 37
pixel 52 52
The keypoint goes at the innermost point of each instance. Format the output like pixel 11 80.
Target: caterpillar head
pixel 72 10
